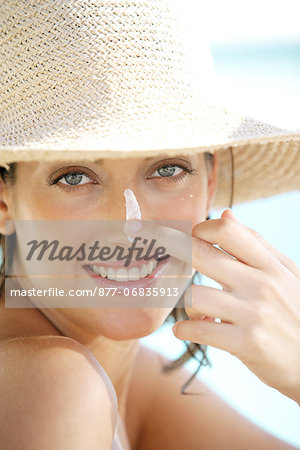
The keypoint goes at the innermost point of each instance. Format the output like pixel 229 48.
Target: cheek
pixel 191 207
pixel 31 204
pixel 182 204
pixel 52 204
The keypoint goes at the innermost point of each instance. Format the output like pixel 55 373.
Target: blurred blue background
pixel 256 50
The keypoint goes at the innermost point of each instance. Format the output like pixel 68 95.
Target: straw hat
pixel 111 79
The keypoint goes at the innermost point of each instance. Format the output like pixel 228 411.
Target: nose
pixel 121 204
pixel 133 210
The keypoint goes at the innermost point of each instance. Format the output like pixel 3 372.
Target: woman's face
pixel 167 188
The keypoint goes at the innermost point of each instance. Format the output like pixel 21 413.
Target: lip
pixel 121 264
pixel 148 281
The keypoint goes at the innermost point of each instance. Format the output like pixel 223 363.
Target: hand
pixel 259 305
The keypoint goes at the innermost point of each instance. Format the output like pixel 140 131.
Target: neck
pixel 117 359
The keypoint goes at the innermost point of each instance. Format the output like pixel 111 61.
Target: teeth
pixel 149 267
pixel 144 271
pixel 110 273
pixel 134 274
pixel 103 271
pixel 123 274
pixel 96 269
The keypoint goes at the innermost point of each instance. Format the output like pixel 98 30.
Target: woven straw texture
pixel 91 79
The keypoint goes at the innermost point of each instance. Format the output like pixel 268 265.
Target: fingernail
pixel 133 225
pixel 232 213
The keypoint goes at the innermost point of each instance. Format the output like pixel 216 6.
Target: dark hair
pixel 9 177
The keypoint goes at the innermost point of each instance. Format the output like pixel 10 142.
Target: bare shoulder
pixel 49 354
pixel 174 421
pixel 49 385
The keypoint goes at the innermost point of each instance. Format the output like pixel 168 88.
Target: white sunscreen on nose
pixel 133 210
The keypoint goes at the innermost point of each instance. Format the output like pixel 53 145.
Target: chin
pixel 130 323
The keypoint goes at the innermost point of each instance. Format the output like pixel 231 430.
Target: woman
pixel 102 98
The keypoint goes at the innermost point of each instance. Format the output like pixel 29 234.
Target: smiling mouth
pixel 125 274
pixel 133 274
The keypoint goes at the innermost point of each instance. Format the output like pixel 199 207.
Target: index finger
pixel 176 242
pixel 202 255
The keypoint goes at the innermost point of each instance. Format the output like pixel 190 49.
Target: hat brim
pixel 266 159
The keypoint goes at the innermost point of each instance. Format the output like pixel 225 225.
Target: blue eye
pixel 168 171
pixel 74 179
